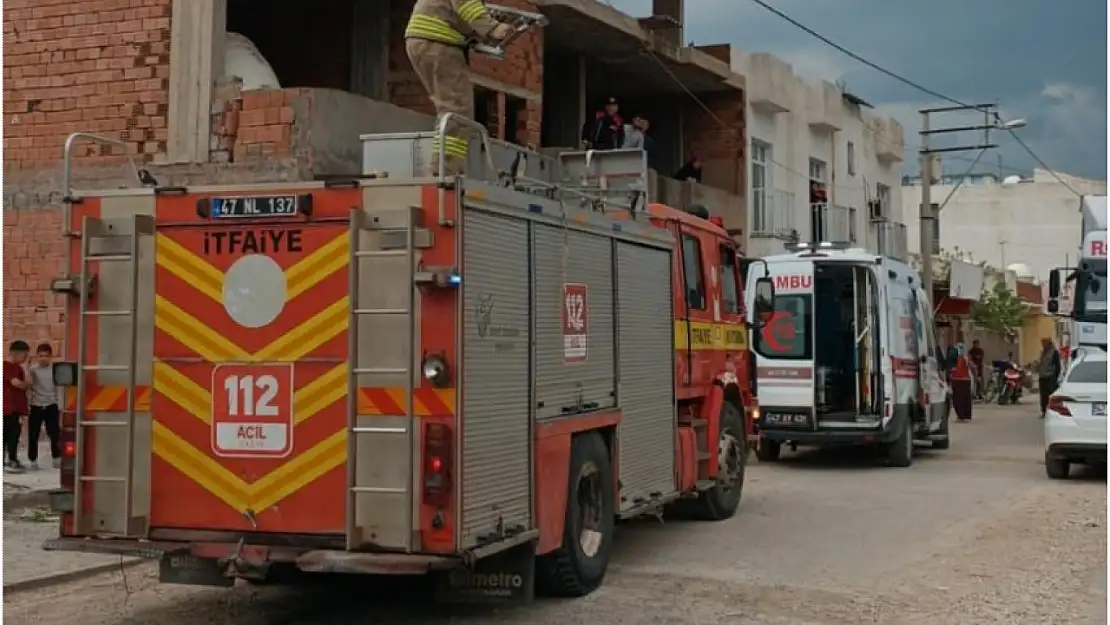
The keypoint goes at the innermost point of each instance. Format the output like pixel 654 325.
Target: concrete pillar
pixel 198 29
pixel 675 10
pixel 583 91
pixel 370 49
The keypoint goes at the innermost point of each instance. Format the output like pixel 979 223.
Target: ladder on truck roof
pixel 521 21
pixel 106 234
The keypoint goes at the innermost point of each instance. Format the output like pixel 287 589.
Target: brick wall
pixel 80 65
pixel 719 51
pixel 253 125
pixel 719 139
pixel 92 65
pixel 32 257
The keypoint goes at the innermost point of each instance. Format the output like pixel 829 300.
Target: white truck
pixel 1088 312
pixel 849 356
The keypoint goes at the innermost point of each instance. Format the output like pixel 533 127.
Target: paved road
pixel 976 535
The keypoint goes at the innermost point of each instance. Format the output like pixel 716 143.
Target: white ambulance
pixel 849 357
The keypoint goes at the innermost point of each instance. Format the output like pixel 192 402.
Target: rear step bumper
pixel 255 556
pixel 831 437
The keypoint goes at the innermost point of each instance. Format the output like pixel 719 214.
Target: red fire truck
pixel 399 373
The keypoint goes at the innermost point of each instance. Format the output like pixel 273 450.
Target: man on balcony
pixel 817 194
pixel 818 202
pixel 690 170
pixel 606 130
pixel 636 137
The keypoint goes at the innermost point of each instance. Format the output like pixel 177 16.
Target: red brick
pixel 719 134
pixel 60 54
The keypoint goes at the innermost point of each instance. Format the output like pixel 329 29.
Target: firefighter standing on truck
pixel 436 39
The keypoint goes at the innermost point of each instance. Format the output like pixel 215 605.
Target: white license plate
pixel 1098 410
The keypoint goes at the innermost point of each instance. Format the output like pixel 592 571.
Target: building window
pixel 818 171
pixel 852 234
pixel 516 119
pixel 730 291
pixel 761 183
pixel 485 108
pixel 881 207
pixel 818 199
pixel 851 159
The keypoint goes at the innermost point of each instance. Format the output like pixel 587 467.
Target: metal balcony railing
pixel 890 239
pixel 832 222
pixel 773 213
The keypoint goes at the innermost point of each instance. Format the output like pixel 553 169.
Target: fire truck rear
pixel 403 374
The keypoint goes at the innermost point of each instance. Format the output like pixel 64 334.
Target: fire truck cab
pixel 399 373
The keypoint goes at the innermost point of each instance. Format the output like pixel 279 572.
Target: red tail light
pixel 439 446
pixel 1058 404
pixel 69 450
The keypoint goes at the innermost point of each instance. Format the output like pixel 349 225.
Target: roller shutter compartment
pixel 646 373
pixel 573 375
pixel 496 424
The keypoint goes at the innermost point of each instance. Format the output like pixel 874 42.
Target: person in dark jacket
pixel 606 130
pixel 1049 368
pixel 690 170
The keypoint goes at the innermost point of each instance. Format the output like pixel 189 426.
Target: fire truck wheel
pixel 721 501
pixel 768 451
pixel 577 567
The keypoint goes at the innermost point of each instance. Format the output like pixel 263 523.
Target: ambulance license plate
pixel 264 206
pixel 786 419
pixel 1099 409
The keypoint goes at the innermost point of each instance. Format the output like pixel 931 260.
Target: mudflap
pixel 193 571
pixel 508 577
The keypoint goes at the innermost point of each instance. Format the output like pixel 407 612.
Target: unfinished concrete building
pixel 151 74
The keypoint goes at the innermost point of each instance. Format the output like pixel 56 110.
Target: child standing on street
pixel 15 403
pixel 44 407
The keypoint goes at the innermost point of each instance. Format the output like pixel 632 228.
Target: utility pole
pixel 928 217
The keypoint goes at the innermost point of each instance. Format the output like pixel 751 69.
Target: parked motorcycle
pixel 1011 380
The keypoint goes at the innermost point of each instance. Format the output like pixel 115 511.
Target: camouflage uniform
pixel 436 40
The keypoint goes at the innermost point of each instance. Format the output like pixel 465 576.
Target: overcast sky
pixel 1043 60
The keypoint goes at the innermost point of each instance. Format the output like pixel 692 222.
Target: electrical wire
pixel 720 122
pixel 960 182
pixel 915 85
pixel 678 81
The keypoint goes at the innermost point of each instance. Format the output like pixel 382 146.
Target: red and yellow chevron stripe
pixel 109 399
pixel 391 401
pixel 194 335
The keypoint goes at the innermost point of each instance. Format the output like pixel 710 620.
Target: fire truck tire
pixel 768 451
pixel 721 501
pixel 578 566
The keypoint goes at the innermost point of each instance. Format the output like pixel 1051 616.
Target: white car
pixel 1075 422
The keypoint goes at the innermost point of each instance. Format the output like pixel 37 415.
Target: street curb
pixel 45 581
pixel 30 498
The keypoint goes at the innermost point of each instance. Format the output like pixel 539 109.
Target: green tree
pixel 999 311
